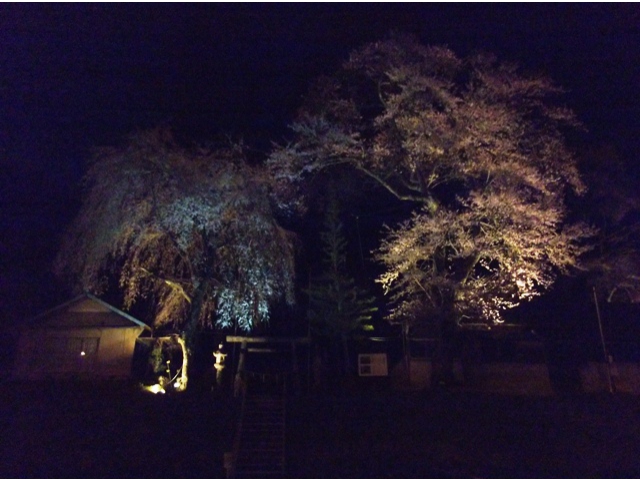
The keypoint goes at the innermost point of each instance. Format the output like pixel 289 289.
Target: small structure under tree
pixel 267 345
pixel 85 337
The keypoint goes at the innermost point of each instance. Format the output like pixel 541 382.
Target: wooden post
pixel 237 383
pixel 296 374
pixel 406 350
pixel 310 354
pixel 294 357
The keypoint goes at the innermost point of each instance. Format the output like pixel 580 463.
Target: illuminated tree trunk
pixel 181 384
pixel 187 338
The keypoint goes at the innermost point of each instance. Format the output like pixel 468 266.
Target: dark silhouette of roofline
pixel 96 299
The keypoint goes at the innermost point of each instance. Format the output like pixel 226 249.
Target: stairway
pixel 260 443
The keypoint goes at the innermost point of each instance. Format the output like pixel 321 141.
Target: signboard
pixel 372 365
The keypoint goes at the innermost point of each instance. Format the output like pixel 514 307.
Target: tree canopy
pixel 479 150
pixel 614 205
pixel 191 230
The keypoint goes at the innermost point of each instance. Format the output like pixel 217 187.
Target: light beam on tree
pixel 476 146
pixel 190 230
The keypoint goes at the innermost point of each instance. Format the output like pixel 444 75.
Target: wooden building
pixel 84 338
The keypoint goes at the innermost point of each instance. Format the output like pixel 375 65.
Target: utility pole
pixel 607 357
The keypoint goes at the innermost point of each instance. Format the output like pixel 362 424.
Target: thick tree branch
pixel 173 283
pixel 393 191
pixel 472 266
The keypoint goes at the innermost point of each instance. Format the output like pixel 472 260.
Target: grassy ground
pixel 451 435
pixel 79 431
pixel 72 430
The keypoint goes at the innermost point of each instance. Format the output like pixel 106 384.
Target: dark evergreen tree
pixel 337 306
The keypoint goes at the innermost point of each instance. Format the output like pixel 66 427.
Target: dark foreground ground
pixel 74 430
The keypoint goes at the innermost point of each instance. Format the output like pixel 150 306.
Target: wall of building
pixel 502 378
pixel 82 352
pixel 625 377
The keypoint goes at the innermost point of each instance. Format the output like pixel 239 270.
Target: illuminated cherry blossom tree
pixel 478 149
pixel 191 231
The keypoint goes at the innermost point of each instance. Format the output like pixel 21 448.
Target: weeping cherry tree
pixel 190 231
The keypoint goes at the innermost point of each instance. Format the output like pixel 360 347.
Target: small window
pixel 67 354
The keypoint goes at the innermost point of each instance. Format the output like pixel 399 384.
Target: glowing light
pixel 82 354
pixel 157 388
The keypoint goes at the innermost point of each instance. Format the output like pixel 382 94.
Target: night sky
pixel 75 76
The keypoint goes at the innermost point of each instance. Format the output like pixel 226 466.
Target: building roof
pixel 85 311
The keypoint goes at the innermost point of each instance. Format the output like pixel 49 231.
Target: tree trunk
pixel 181 383
pixel 405 349
pixel 443 359
pixel 187 337
pixel 437 375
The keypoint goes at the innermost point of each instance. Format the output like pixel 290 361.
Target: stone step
pixel 261 448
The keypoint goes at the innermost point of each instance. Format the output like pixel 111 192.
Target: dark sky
pixel 73 76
